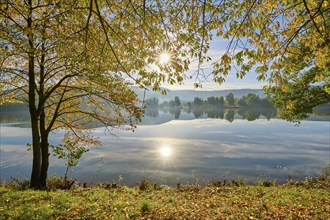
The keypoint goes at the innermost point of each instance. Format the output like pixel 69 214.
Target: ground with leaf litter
pixel 148 201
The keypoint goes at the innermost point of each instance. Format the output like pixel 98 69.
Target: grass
pixel 145 207
pixel 308 199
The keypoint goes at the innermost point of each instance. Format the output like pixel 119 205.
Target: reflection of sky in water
pixel 186 151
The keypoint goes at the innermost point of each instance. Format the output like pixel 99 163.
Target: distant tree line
pixel 250 107
pixel 14 113
pixel 229 101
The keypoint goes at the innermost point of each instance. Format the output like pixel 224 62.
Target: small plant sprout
pixel 71 150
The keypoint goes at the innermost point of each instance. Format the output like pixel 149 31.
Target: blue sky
pixel 217 48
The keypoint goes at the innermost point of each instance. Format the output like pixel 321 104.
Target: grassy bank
pixel 309 199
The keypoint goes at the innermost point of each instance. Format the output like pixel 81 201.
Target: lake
pixel 169 148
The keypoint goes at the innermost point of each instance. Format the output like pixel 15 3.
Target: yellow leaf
pixel 319 77
pixel 289 106
pixel 285 88
pixel 277 25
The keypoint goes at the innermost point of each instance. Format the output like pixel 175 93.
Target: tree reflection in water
pixel 250 107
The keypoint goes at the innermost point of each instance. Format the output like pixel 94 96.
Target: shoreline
pixel 309 199
pixel 57 182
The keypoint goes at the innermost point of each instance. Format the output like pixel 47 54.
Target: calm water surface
pixel 186 151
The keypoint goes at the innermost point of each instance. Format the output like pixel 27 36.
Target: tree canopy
pixel 286 42
pixel 73 61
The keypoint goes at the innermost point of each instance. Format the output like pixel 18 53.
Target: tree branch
pixel 312 16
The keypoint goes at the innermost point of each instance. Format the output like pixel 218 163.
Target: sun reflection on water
pixel 165 151
pixel 166 154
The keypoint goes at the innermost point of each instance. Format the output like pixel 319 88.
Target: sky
pixel 217 48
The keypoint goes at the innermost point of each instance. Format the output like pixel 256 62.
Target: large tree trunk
pixel 44 151
pixel 44 134
pixel 36 164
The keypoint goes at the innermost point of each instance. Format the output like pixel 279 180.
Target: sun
pixel 166 151
pixel 164 58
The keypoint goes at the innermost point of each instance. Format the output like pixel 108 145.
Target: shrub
pixel 266 183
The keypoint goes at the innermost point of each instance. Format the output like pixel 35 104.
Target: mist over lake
pixel 173 145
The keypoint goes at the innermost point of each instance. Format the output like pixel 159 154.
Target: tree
pixel 71 151
pixel 151 108
pixel 221 101
pixel 230 99
pixel 211 100
pixel 197 103
pixel 286 42
pixel 46 63
pixel 152 103
pixel 73 62
pixel 250 100
pixel 299 97
pixel 177 102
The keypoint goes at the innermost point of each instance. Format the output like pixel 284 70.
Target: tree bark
pixel 36 162
pixel 44 162
pixel 44 134
pixel 44 151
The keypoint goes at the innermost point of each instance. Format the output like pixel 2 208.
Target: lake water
pixel 186 149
